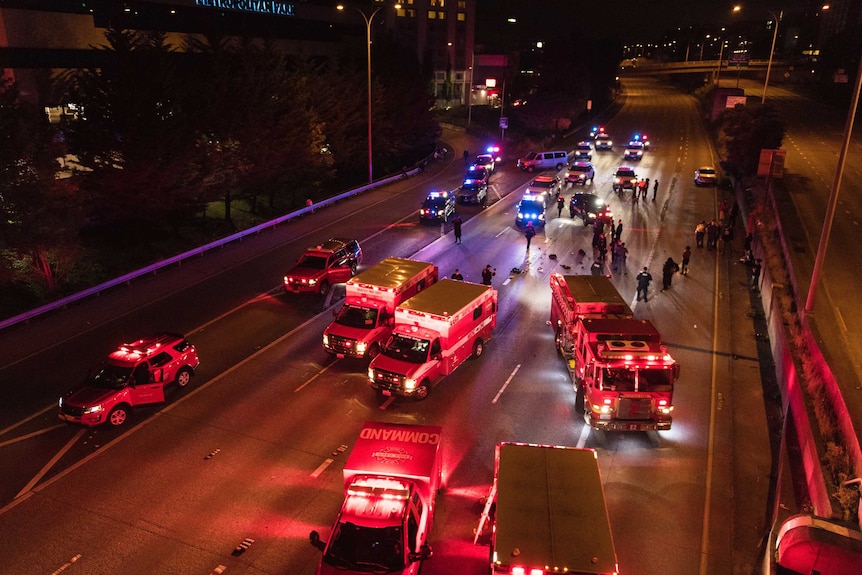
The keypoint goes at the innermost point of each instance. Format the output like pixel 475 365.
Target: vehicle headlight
pixel 326 340
pixel 95 409
pixel 409 383
pixel 312 281
pixel 371 374
pixel 361 347
pixel 60 403
pixel 520 216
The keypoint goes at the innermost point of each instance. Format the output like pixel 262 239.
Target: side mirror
pixel 314 539
pixel 437 356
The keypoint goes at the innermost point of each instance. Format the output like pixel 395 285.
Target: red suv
pixel 334 261
pixel 135 374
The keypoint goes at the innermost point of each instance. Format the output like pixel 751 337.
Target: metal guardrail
pixel 127 278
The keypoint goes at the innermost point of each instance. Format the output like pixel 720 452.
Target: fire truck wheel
pixel 558 342
pixel 118 415
pixel 579 399
pixel 478 348
pixel 324 288
pixel 422 391
pixel 373 351
pixel 184 377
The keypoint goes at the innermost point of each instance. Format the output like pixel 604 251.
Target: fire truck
pixel 548 514
pixel 364 322
pixel 435 331
pixel 391 481
pixel 622 374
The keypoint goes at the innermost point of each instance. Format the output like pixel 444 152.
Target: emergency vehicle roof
pixel 596 289
pixel 630 329
pixel 394 449
pixel 390 273
pixel 551 507
pixel 445 298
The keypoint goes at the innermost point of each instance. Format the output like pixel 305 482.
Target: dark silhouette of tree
pixel 744 131
pixel 39 215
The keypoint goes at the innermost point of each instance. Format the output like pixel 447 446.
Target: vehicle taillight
pixel 527 571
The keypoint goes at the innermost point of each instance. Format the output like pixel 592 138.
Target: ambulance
pixel 364 323
pixel 435 332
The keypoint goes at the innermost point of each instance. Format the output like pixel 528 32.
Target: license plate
pixel 386 392
pixel 339 355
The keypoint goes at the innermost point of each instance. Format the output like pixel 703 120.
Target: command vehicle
pixel 364 322
pixel 547 512
pixel 435 331
pixel 622 374
pixel 334 261
pixel 439 205
pixel 134 374
pixel 391 481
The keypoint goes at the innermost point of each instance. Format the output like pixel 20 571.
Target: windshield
pixel 112 377
pixel 313 262
pixel 355 316
pixel 407 348
pixel 651 379
pixel 366 549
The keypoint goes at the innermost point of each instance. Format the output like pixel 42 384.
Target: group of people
pixel 642 188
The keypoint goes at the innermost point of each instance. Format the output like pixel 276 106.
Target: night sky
pixel 630 20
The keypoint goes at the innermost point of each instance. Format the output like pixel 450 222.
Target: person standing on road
pixel 529 233
pixel 755 275
pixel 669 268
pixel 644 278
pixel 686 257
pixel 456 227
pixel 466 157
pixel 646 188
pixel 487 274
pixel 654 190
pixel 561 203
pixel 712 232
pixel 457 275
pixel 699 232
pixel 726 239
pixel 621 252
pixel 618 230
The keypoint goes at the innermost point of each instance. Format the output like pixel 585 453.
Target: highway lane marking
pixel 315 376
pixel 322 467
pixel 506 384
pixel 34 434
pixel 26 419
pixel 585 434
pixel 47 467
pixel 67 564
pixel 31 489
pixel 710 452
pixel 386 403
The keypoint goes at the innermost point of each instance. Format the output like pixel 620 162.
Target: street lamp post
pixel 720 54
pixel 771 51
pixel 368 20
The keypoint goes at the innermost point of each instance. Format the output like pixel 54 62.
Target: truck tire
pixel 579 399
pixel 119 415
pixel 422 391
pixel 353 268
pixel 560 167
pixel 183 377
pixel 558 338
pixel 324 288
pixel 478 348
pixel 373 351
pixel 531 169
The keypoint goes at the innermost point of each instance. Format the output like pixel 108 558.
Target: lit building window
pixel 432 15
pixel 461 17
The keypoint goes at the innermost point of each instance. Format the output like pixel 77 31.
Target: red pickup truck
pixel 334 261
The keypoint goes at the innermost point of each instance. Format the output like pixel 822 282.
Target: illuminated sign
pixel 259 6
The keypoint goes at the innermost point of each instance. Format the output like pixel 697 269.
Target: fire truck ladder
pixel 486 512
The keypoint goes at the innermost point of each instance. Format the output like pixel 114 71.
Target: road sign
pixel 739 58
pixel 504 122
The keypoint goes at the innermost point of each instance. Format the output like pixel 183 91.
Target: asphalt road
pixel 270 406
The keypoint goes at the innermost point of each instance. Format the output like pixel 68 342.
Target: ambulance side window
pixel 412 528
pixel 420 285
pixel 435 348
pixel 477 313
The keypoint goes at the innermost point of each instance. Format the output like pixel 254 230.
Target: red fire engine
pixel 622 374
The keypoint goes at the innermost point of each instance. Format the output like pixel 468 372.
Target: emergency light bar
pixel 438 195
pixel 382 488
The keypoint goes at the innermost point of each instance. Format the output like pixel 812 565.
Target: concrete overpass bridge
pixel 754 69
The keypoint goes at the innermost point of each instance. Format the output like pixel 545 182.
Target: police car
pixel 531 208
pixel 634 150
pixel 439 205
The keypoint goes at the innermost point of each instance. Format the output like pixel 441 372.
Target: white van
pixel 533 161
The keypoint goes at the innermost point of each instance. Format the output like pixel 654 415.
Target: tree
pixel 39 215
pixel 744 131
